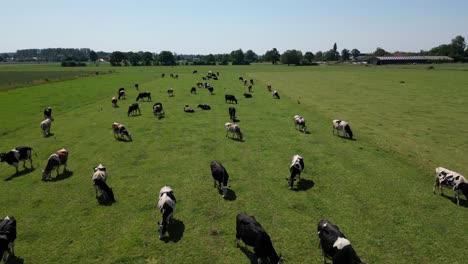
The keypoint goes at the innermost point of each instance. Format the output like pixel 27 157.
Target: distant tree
pixel 210 59
pixel 329 55
pixel 251 56
pixel 380 52
pixel 335 52
pixel 147 58
pixel 309 57
pixel 238 57
pixel 116 58
pixel 224 59
pixel 355 53
pixel 319 56
pixel 272 55
pixel 93 56
pixel 166 58
pixel 345 55
pixel 133 58
pixel 291 57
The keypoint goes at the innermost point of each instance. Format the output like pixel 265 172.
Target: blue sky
pixel 202 27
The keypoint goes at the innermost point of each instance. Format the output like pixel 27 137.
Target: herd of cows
pixel 333 242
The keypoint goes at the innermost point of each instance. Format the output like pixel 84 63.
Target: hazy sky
pixel 221 26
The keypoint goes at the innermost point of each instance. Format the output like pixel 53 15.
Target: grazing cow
pixel 166 204
pixel 245 82
pixel 158 109
pixel 7 237
pixel 48 113
pixel 176 76
pixel 232 113
pixel 172 75
pixel 114 101
pixel 99 182
pixel 252 234
pixel 211 89
pixel 334 244
pixel 133 109
pixel 251 81
pixel 144 95
pixel 200 85
pixel 214 77
pixel 246 95
pixel 14 156
pixel 193 90
pixel 204 106
pixel 188 109
pixel 45 126
pixel 241 78
pixel 170 92
pixel 343 126
pixel 269 87
pixel 137 87
pixel 275 94
pixel 230 98
pixel 234 129
pixel 121 93
pixel 195 72
pixel 120 132
pixel 60 157
pixel 221 176
pixel 204 78
pixel 450 179
pixel 297 166
pixel 299 123
pixel 250 88
pixel 162 75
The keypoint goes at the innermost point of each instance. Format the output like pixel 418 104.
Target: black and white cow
pixel 45 127
pixel 14 156
pixel 221 176
pixel 250 88
pixel 7 237
pixel 252 234
pixel 297 166
pixel 233 129
pixel 251 81
pixel 232 113
pixel 334 244
pixel 144 95
pixel 210 89
pixel 121 93
pixel 229 98
pixel 275 94
pixel 188 109
pixel 450 179
pixel 120 131
pixel 193 90
pixel 342 126
pixel 99 182
pixel 133 109
pixel 166 204
pixel 158 109
pixel 114 101
pixel 48 113
pixel 299 123
pixel 204 106
pixel 170 92
pixel 60 157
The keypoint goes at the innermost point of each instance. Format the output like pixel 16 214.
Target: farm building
pixel 408 59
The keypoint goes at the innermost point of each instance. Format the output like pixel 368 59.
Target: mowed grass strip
pixel 380 197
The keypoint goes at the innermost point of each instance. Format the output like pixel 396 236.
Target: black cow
pixel 211 89
pixel 144 95
pixel 172 75
pixel 334 244
pixel 133 109
pixel 7 237
pixel 221 176
pixel 297 166
pixel 195 72
pixel 275 94
pixel 121 93
pixel 137 87
pixel 230 98
pixel 14 156
pixel 48 113
pixel 241 78
pixel 204 106
pixel 246 95
pixel 251 81
pixel 253 234
pixel 193 90
pixel 162 75
pixel 232 113
pixel 250 88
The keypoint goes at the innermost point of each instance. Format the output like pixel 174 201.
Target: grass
pixel 376 188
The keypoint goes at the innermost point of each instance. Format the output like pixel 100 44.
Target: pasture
pixel 377 189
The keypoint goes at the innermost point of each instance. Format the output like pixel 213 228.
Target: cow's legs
pixel 214 183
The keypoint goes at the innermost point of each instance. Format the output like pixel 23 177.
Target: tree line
pixel 456 49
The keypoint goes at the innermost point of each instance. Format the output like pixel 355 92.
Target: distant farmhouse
pixel 405 59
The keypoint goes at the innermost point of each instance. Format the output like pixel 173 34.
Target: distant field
pixel 378 188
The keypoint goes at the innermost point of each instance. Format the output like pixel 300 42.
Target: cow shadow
pixel 175 231
pixel 134 115
pixel 463 203
pixel 103 201
pixel 249 254
pixel 20 173
pixel 347 138
pixel 49 135
pixel 230 195
pixel 304 185
pixel 123 139
pixel 67 174
pixel 236 139
pixel 14 260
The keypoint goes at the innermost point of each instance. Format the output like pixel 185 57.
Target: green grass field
pixel 378 189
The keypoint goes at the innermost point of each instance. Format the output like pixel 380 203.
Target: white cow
pixel 45 126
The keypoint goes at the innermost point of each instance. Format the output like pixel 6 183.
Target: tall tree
pixel 335 52
pixel 251 56
pixel 380 52
pixel 238 57
pixel 116 58
pixel 308 57
pixel 210 59
pixel 147 58
pixel 272 55
pixel 329 55
pixel 355 53
pixel 291 57
pixel 93 56
pixel 166 58
pixel 345 55
pixel 134 58
pixel 319 56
